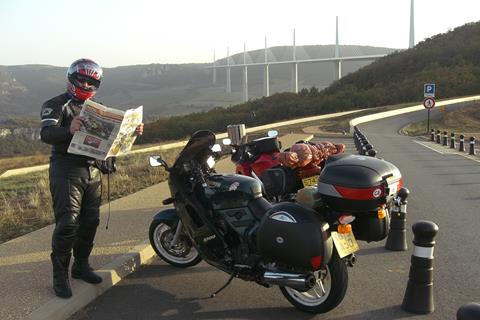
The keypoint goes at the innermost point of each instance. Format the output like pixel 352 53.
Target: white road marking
pixel 448 151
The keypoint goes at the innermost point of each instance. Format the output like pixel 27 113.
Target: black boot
pixel 81 270
pixel 61 284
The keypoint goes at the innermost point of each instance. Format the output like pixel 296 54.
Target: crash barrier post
pixel 419 293
pixel 438 136
pixel 432 135
pixel 469 311
pixel 472 146
pixel 452 140
pixel 366 148
pixel 372 153
pixel 356 139
pixel 363 141
pixel 397 239
pixel 462 143
pixel 445 135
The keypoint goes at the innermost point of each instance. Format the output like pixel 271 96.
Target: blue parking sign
pixel 429 90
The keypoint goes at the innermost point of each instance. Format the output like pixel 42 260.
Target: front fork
pixel 178 231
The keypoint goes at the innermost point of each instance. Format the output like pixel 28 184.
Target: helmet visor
pixel 81 79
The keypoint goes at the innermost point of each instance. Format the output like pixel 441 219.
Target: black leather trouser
pixel 76 195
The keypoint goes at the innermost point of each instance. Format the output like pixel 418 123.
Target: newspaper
pixel 106 132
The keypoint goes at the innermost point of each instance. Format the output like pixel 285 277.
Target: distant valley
pixel 172 89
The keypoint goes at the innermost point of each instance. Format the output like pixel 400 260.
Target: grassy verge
pixel 22 161
pixel 25 201
pixel 337 125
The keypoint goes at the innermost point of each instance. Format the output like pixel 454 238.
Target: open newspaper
pixel 106 131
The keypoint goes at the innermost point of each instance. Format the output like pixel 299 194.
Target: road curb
pixel 84 293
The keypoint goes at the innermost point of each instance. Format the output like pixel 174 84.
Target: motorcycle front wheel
pixel 328 292
pixel 182 254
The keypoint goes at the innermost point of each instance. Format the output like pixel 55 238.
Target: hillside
pixel 172 89
pixel 450 60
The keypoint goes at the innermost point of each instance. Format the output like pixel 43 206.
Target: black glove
pixel 107 166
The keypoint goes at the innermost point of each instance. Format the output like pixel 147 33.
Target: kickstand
pixel 224 286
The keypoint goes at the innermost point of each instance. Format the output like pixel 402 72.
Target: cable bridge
pixel 337 60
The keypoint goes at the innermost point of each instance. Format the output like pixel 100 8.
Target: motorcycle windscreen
pixel 200 142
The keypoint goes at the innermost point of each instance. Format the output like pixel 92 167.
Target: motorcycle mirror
pixel 216 148
pixel 272 133
pixel 227 141
pixel 210 162
pixel 156 161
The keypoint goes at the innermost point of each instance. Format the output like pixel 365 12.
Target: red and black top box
pixel 358 184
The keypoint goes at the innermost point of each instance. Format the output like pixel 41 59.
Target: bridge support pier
pixel 266 81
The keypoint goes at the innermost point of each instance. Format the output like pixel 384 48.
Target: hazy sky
pixel 119 32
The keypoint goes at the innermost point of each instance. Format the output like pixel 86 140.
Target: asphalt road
pixel 444 189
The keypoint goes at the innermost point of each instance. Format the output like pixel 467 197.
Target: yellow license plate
pixel 310 181
pixel 345 243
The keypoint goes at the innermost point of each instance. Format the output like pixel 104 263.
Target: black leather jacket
pixel 57 115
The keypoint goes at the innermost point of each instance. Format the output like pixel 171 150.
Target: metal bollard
pixel 472 146
pixel 397 240
pixel 419 293
pixel 432 135
pixel 438 136
pixel 361 142
pixel 445 135
pixel 462 143
pixel 365 149
pixel 469 311
pixel 452 140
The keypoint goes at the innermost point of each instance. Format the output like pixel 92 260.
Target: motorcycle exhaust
pixel 297 281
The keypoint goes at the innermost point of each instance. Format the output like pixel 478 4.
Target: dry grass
pixel 336 126
pixel 464 121
pixel 22 161
pixel 25 201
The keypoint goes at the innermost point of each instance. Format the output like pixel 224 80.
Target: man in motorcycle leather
pixel 75 180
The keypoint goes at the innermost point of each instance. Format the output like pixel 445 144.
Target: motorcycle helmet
pixel 316 155
pixel 303 152
pixel 330 147
pixel 80 71
pixel 340 148
pixel 289 159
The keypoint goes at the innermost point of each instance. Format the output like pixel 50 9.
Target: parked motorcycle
pixel 256 155
pixel 321 177
pixel 225 220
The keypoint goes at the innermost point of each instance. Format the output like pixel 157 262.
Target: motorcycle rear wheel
pixel 181 255
pixel 327 293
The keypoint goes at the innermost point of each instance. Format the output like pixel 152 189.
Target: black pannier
pixel 281 236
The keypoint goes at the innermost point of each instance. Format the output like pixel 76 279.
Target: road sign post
pixel 429 103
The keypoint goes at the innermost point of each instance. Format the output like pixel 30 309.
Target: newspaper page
pixel 106 131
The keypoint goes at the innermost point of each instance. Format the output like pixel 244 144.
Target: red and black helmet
pixel 83 70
